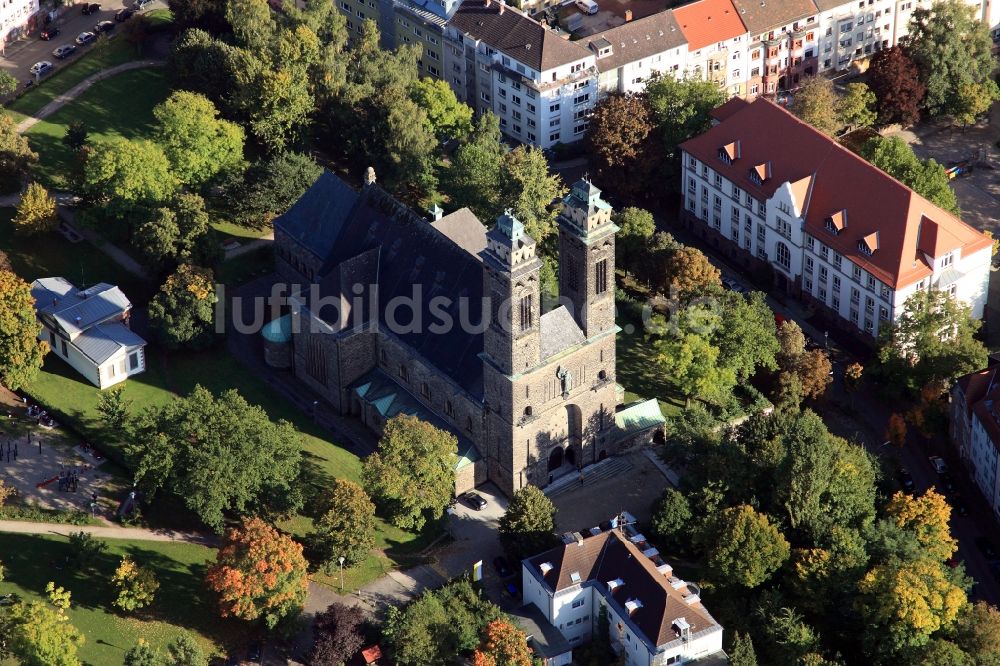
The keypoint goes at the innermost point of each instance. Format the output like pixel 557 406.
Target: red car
pixel 48 33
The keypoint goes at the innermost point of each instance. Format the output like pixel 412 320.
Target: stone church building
pixel 441 318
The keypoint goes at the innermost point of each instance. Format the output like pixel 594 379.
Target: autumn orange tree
pixel 259 575
pixel 503 645
pixel 926 517
pixel 691 274
pixel 895 431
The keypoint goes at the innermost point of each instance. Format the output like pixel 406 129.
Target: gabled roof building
pixel 654 616
pixel 836 230
pixel 88 328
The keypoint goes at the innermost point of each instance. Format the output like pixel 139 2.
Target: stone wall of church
pixel 316 359
pixel 293 263
pixel 535 418
pixel 433 388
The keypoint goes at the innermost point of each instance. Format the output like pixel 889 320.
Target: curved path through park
pixel 107 532
pixel 80 88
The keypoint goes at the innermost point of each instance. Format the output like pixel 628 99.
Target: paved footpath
pixel 106 532
pixel 80 88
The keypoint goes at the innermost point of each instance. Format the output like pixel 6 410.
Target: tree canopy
pixel 619 138
pixel 412 475
pixel 21 352
pixel 217 455
pixel 183 312
pixel 744 547
pixel 337 635
pixel 816 102
pixel 895 80
pixel 347 528
pixel 36 212
pixel 928 179
pixel 198 144
pixel 528 527
pixel 122 171
pixel 259 575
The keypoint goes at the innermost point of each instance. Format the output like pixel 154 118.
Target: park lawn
pixel 121 106
pixel 182 602
pixel 100 56
pixel 638 373
pixel 159 18
pixel 51 254
pixel 228 230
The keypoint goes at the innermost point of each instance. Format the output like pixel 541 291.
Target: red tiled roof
pixel 728 108
pixel 706 22
pixel 609 556
pixel 371 654
pixel 840 180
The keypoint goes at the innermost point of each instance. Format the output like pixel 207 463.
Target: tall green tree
pixel 635 230
pixel 680 107
pixel 122 171
pixel 197 142
pixel 136 585
pixel 8 84
pixel 16 155
pixel 742 652
pixel 816 103
pixel 36 212
pixel 928 179
pixel 21 352
pixel 412 475
pixel 38 634
pixel 185 651
pixel 744 547
pixel 952 49
pixel 856 107
pixel 142 654
pixel 747 336
pixel 528 189
pixel 183 312
pixel 932 340
pixel 671 520
pixel 447 117
pixel 475 176
pixel 259 575
pixel 347 528
pixel 218 455
pixel 528 527
pixel 178 233
pixel 270 187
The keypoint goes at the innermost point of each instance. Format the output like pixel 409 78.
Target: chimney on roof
pixel 369 176
pixel 503 5
pixel 579 538
pixel 436 212
pixel 55 301
pixel 78 320
pixel 487 3
pixel 628 15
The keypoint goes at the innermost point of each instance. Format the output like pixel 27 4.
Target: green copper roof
pixel 639 416
pixel 278 330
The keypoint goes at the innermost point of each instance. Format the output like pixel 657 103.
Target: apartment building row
pixel 975 428
pixel 543 83
pixel 17 17
pixel 843 235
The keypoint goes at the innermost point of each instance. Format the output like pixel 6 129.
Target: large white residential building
pixel 836 230
pixel 975 429
pixel 16 18
pixel 654 617
pixel 628 55
pixel 541 86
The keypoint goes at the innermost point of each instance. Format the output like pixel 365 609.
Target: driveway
pixel 20 55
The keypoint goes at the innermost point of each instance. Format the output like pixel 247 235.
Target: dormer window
pixel 836 222
pixel 730 152
pixel 760 173
pixel 869 244
pixel 615 584
pixel 632 605
pixel 575 577
pixel 545 568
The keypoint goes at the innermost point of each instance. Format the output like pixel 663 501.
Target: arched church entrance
pixel 555 459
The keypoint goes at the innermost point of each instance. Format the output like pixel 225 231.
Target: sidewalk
pixel 107 532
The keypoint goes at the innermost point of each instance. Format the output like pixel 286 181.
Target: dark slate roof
pixel 464 229
pixel 75 310
pixel 316 219
pixel 761 16
pixel 102 342
pixel 639 39
pixel 544 639
pixel 515 34
pixel 559 331
pixel 380 241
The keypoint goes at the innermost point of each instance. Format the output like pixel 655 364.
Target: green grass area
pixel 636 367
pixel 159 18
pixel 48 255
pixel 228 230
pixel 181 602
pixel 120 106
pixel 245 267
pixel 100 56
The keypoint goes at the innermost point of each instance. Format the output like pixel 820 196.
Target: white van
pixel 587 6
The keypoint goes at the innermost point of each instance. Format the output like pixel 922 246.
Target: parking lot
pixel 19 56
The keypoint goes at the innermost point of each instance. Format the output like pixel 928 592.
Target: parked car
pixel 64 51
pixel 41 68
pixel 91 8
pixel 987 548
pixel 906 480
pixel 104 26
pixel 475 500
pixel 48 33
pixel 587 6
pixel 85 38
pixel 500 564
pixel 938 463
pixel 124 14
